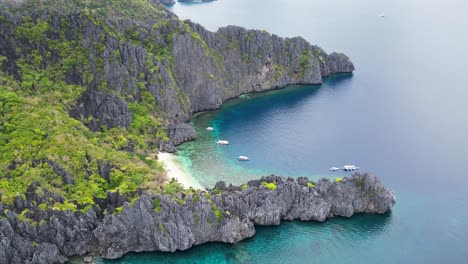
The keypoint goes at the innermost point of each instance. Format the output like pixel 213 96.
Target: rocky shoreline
pixel 182 220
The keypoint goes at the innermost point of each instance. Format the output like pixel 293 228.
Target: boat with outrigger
pixel 350 168
pixel 345 168
pixel 243 158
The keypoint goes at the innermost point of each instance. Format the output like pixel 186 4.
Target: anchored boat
pixel 334 169
pixel 222 142
pixel 209 129
pixel 350 168
pixel 243 158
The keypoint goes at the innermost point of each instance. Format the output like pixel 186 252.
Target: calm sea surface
pixel 403 115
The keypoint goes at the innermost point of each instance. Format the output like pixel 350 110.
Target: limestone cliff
pixel 186 68
pixel 180 221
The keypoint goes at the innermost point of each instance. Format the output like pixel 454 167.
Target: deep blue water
pixel 402 114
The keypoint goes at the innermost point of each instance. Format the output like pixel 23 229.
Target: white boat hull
pixel 222 142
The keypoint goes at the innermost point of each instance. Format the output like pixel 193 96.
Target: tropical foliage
pixel 40 142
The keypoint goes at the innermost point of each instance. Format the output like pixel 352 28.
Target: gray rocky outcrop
pixel 66 175
pixel 178 222
pixel 98 109
pixel 177 135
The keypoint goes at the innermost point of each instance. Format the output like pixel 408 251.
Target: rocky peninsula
pixel 182 220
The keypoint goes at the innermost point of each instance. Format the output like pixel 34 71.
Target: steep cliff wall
pixel 182 220
pixel 186 68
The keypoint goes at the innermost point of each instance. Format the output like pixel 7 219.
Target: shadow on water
pixel 290 97
pixel 357 227
pixel 273 240
pixel 338 80
pixel 193 3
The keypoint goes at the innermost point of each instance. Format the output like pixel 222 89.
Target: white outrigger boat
pixel 350 168
pixel 243 158
pixel 222 142
pixel 209 129
pixel 334 169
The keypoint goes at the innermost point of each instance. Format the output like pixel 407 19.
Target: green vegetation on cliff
pixel 36 131
pixel 135 9
pixel 52 67
pixel 269 185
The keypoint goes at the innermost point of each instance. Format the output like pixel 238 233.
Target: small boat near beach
pixel 243 158
pixel 334 169
pixel 222 142
pixel 209 129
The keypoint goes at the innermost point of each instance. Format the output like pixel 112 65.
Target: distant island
pixel 90 93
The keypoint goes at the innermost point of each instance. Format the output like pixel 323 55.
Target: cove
pixel 251 120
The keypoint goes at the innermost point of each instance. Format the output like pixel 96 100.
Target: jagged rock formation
pixel 66 176
pixel 165 223
pixel 98 109
pixel 177 135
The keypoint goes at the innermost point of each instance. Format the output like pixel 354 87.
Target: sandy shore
pixel 175 170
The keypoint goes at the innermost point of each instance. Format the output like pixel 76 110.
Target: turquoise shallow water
pixel 402 115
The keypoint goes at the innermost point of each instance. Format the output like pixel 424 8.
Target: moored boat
pixel 350 168
pixel 334 169
pixel 222 142
pixel 243 158
pixel 209 129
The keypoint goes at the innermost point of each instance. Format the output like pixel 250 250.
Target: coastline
pixel 229 214
pixel 175 170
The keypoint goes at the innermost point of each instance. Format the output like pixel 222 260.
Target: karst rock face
pixel 200 69
pixel 169 223
pixel 100 110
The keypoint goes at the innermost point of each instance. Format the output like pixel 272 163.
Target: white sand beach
pixel 175 170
